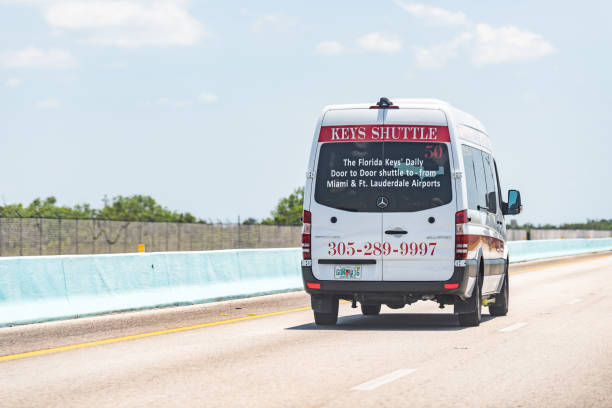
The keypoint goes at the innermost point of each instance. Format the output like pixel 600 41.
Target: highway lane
pixel 553 349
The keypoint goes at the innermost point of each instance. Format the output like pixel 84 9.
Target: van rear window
pixel 413 176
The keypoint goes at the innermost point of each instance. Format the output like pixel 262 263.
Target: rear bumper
pixel 411 289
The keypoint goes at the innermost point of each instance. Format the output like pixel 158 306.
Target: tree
pixel 46 208
pixel 602 224
pixel 249 221
pixel 141 208
pixel 288 211
pixel 133 208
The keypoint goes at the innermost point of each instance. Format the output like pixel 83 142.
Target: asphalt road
pixel 554 349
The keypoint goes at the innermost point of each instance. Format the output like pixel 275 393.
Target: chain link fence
pixel 54 236
pixel 44 236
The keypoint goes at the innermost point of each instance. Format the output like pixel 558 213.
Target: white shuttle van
pixel 402 203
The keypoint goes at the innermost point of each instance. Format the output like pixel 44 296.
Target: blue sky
pixel 210 106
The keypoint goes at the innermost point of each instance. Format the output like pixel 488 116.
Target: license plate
pixel 347 272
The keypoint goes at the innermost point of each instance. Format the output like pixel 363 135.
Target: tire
pixel 472 319
pixel 370 309
pixel 327 319
pixel 502 299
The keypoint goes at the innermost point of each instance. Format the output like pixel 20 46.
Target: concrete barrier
pixel 35 289
pixel 521 251
pixel 516 235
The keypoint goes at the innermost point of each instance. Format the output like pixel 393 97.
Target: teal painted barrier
pixel 36 289
pixel 521 251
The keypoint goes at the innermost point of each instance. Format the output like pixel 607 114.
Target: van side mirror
pixel 514 203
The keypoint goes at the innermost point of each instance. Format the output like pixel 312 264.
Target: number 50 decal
pixel 434 152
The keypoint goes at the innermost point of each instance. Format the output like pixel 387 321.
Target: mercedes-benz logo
pixel 382 202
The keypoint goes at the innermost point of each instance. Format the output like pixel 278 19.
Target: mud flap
pixel 465 306
pixel 323 304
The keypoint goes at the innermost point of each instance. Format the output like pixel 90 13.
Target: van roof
pixel 459 116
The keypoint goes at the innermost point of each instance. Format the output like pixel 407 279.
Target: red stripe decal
pixel 387 133
pixel 475 239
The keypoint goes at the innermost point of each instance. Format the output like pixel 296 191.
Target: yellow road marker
pixel 217 323
pixel 144 335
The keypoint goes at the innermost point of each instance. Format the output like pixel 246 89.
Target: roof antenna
pixel 384 102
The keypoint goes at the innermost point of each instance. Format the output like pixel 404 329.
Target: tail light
pixel 461 238
pixel 306 235
pixel 461 217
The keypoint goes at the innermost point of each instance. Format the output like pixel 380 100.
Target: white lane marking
pixel 574 301
pixel 387 378
pixel 513 327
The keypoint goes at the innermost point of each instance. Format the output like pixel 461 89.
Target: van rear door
pixel 419 221
pixel 346 223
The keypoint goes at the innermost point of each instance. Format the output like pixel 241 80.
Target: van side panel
pixel 487 224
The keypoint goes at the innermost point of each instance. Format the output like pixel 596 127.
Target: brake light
pixel 461 239
pixel 384 107
pixel 451 285
pixel 306 235
pixel 313 285
pixel 461 217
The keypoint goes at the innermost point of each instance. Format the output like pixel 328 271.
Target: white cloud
pixel 13 82
pixel 27 2
pixel 329 48
pixel 48 104
pixel 506 44
pixel 379 43
pixel 208 97
pixel 434 15
pixel 32 57
pixel 127 23
pixel 438 55
pixel 276 21
pixel 483 43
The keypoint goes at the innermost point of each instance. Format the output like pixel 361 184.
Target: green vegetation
pixel 250 221
pixel 133 208
pixel 288 210
pixel 602 224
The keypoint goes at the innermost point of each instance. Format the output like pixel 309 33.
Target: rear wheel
pixel 370 309
pixel 502 299
pixel 472 318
